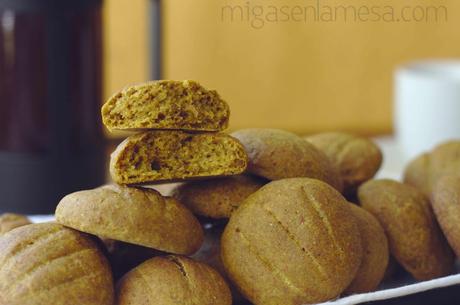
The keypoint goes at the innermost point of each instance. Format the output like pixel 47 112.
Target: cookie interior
pixel 166 105
pixel 159 156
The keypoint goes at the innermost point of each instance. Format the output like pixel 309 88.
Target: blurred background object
pixel 427 105
pixel 51 140
pixel 302 75
pixel 279 63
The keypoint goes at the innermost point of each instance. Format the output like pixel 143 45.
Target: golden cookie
pixel 123 256
pixel 375 252
pixel 446 205
pixel 414 236
pixel 417 173
pixel 10 221
pixel 217 198
pixel 424 171
pixel 42 264
pixel 292 242
pixel 173 280
pixel 358 159
pixel 209 254
pixel 175 155
pixel 278 154
pixel 138 216
pixel 166 104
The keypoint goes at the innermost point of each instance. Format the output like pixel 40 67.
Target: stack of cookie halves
pixel 177 136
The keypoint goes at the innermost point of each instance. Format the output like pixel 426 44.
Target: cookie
pixel 173 280
pixel 10 221
pixel 417 174
pixel 209 254
pixel 166 104
pixel 277 154
pixel 294 241
pixel 375 252
pixel 138 216
pixel 446 205
pixel 358 159
pixel 424 171
pixel 217 198
pixel 42 264
pixel 413 234
pixel 175 155
pixel 124 256
pixel 444 160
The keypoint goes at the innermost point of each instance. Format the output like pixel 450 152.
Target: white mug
pixel 427 105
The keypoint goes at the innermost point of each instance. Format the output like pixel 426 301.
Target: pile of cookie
pixel 260 215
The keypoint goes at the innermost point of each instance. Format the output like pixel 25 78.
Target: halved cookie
pixel 166 104
pixel 174 155
pixel 138 216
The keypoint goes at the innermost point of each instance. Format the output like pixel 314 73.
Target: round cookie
pixel 424 171
pixel 10 221
pixel 414 236
pixel 417 173
pixel 294 241
pixel 133 215
pixel 375 252
pixel 357 158
pixel 277 154
pixel 209 254
pixel 217 198
pixel 446 206
pixel 42 264
pixel 173 280
pixel 123 256
pixel 444 160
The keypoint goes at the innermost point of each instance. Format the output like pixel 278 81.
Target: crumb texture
pixel 175 155
pixel 46 263
pixel 166 104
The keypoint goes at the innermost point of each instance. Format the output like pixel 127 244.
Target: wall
pixel 305 75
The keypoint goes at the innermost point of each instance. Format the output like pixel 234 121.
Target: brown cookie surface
pixel 166 104
pixel 413 234
pixel 277 154
pixel 42 264
pixel 133 215
pixel 10 221
pixel 176 155
pixel 446 205
pixel 424 171
pixel 217 198
pixel 375 252
pixel 417 173
pixel 173 280
pixel 358 159
pixel 294 241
